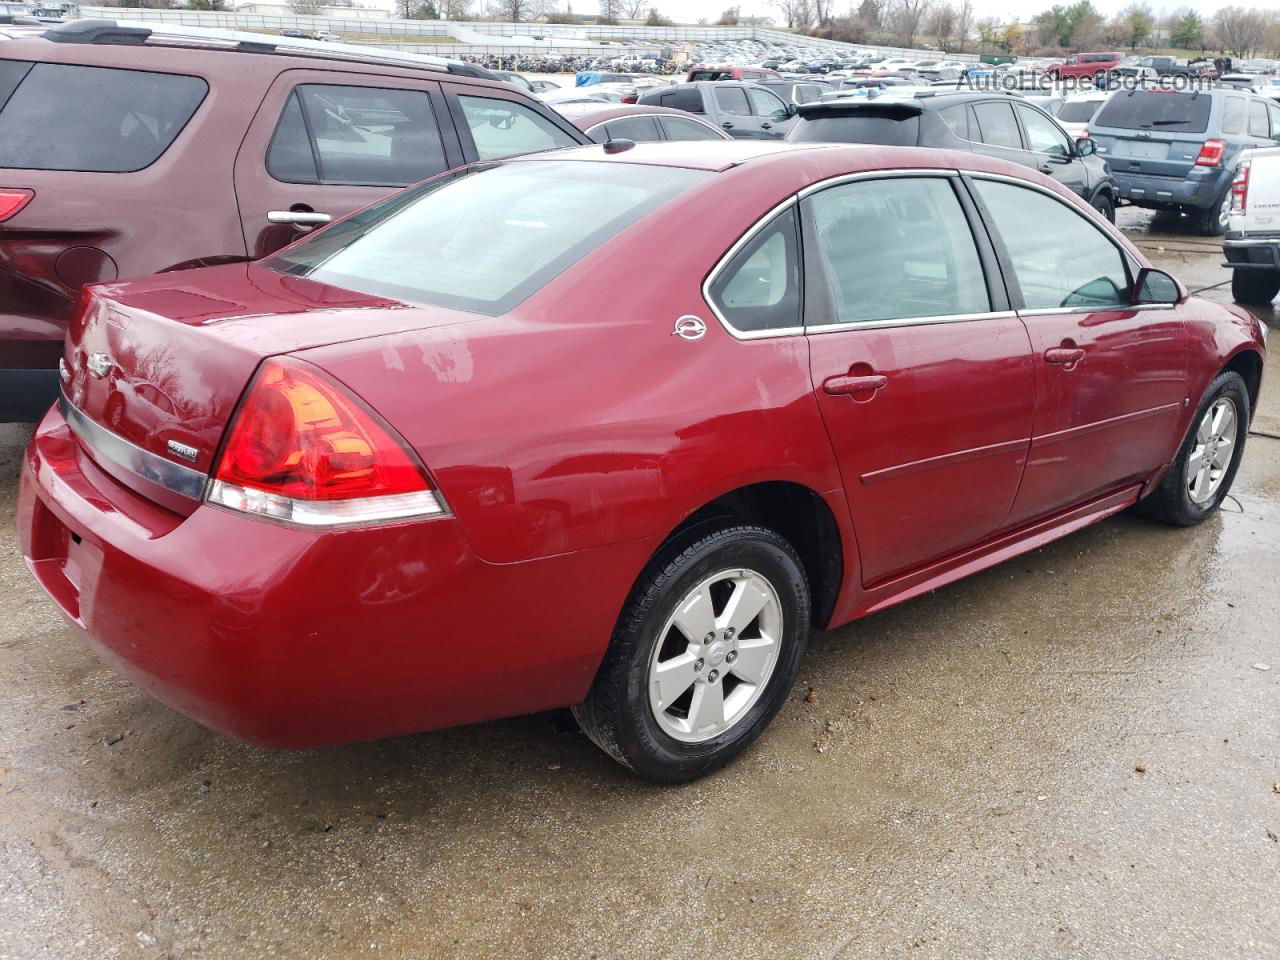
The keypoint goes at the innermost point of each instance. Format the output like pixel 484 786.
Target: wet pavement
pixel 1075 754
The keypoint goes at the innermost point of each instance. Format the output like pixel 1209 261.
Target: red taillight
pixel 12 200
pixel 302 450
pixel 631 98
pixel 1211 153
pixel 1240 189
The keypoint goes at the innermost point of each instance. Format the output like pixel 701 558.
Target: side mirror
pixel 792 109
pixel 1086 147
pixel 1155 286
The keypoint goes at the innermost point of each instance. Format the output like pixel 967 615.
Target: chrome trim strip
pixel 1070 433
pixel 165 473
pixel 637 116
pixel 1259 242
pixel 908 321
pixel 945 460
pixel 1112 308
pixel 942 173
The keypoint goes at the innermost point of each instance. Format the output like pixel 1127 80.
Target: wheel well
pixel 1249 365
pixel 801 516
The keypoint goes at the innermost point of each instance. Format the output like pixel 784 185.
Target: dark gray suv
pixel 1176 150
pixel 996 124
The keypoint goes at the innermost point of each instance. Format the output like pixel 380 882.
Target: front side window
pixel 356 135
pixel 1036 229
pixel 505 128
pixel 996 124
pixel 765 104
pixel 1043 136
pixel 92 119
pixel 484 240
pixel 733 101
pixel 894 249
pixel 759 289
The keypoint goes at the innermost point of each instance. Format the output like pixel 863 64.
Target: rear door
pixel 324 144
pixel 1110 377
pixel 995 130
pixel 922 374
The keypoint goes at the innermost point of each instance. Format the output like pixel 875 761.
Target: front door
pixel 319 149
pixel 1053 152
pixel 734 111
pixel 923 376
pixel 771 112
pixel 1110 377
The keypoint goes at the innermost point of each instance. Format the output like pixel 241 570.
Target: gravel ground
pixel 1070 755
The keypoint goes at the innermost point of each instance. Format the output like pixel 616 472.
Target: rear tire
pixel 653 704
pixel 1213 221
pixel 1257 288
pixel 1177 500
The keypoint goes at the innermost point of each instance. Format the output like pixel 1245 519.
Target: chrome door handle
pixel 298 218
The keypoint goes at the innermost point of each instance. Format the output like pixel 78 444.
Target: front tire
pixel 1200 477
pixel 1257 288
pixel 1105 206
pixel 704 653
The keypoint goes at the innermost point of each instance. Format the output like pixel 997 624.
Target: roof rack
pixel 127 34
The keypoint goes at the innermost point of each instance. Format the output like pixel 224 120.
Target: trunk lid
pixel 1153 132
pixel 161 363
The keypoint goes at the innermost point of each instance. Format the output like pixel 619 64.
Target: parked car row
pixel 283 488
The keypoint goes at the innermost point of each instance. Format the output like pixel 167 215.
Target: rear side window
pixel 759 289
pixel 957 118
pixel 356 135
pixel 504 128
pixel 896 248
pixel 1258 126
pixel 91 119
pixel 1151 110
pixel 733 101
pixel 677 128
pixel 688 100
pixel 807 93
pixel 697 75
pixel 996 125
pixel 484 240
pixel 893 130
pixel 1233 115
pixel 639 129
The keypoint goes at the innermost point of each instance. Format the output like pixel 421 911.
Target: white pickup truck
pixel 1252 243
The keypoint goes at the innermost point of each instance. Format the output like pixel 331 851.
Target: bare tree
pixel 909 19
pixel 312 8
pixel 1240 31
pixel 942 26
pixel 455 9
pixel 797 13
pixel 634 9
pixel 512 11
pixel 610 11
pixel 964 23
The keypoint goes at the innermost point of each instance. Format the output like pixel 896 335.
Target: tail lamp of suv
pixel 1211 153
pixel 1240 189
pixel 12 200
pixel 303 450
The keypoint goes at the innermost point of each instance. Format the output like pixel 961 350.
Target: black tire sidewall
pixel 1225 384
pixel 1104 205
pixel 648 749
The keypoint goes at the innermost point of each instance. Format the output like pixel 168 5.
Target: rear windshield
pixel 1149 110
pixel 483 241
pixel 93 119
pixel 872 128
pixel 1078 111
pixel 710 75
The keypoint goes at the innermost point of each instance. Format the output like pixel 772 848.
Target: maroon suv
pixel 125 150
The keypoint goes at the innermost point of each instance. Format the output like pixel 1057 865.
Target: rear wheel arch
pixel 797 513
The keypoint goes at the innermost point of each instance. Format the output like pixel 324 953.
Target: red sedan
pixel 458 457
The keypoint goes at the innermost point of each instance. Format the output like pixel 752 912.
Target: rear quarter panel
pixel 579 419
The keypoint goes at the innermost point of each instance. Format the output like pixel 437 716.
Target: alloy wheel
pixel 715 655
pixel 1210 458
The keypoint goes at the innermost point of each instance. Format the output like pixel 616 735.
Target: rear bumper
pixel 294 638
pixel 1252 253
pixel 1146 190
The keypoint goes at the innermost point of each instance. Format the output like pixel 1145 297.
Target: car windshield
pixel 1078 111
pixel 1148 109
pixel 483 240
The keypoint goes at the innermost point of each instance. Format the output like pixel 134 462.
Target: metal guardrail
pixel 482 38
